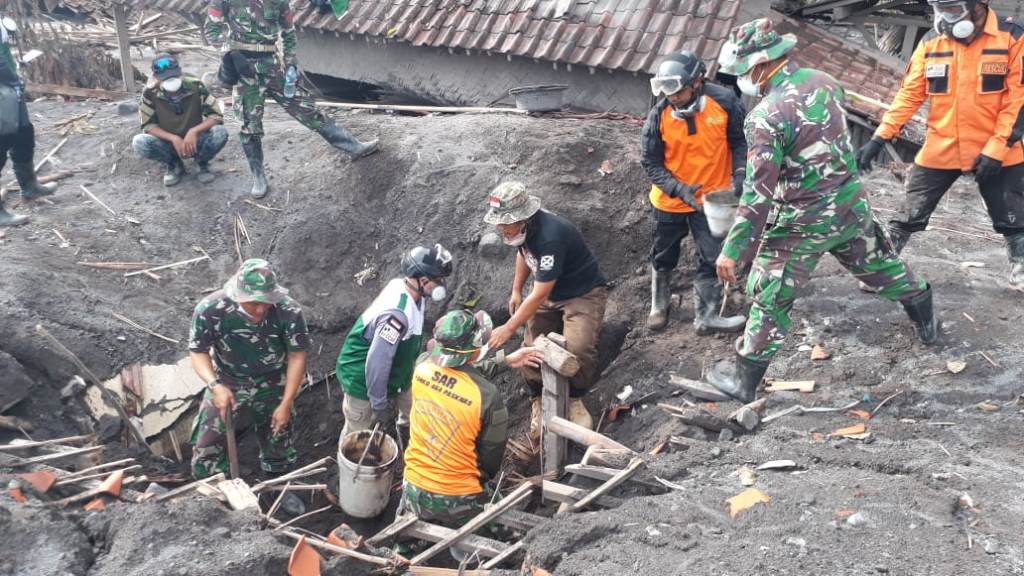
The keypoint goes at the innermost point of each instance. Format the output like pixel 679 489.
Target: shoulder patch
pixel 547 262
pixel 389 333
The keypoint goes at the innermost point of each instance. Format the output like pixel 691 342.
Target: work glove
pixel 867 154
pixel 985 168
pixel 385 417
pixel 688 193
pixel 738 177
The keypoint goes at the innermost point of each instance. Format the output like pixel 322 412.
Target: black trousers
pixel 21 145
pixel 669 228
pixel 1003 195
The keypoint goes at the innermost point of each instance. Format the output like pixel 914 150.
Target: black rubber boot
pixel 8 219
pixel 739 380
pixel 343 140
pixel 920 310
pixel 661 299
pixel 1015 250
pixel 30 186
pixel 707 298
pixel 254 153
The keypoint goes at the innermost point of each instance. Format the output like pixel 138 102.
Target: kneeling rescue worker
pixel 459 424
pixel 970 70
pixel 692 144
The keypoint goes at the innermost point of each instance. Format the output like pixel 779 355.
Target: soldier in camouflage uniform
pixel 802 199
pixel 253 27
pixel 459 424
pixel 17 135
pixel 245 340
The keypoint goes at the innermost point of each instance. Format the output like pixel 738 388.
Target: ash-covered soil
pixel 333 219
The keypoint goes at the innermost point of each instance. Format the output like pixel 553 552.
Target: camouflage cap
pixel 751 44
pixel 458 335
pixel 510 203
pixel 255 282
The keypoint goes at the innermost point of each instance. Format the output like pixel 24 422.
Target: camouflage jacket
pixel 246 354
pixel 252 25
pixel 800 162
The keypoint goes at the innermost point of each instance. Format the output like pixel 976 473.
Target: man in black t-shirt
pixel 568 296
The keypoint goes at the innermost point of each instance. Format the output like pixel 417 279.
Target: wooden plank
pixel 479 521
pixel 581 435
pixel 604 473
pixel 566 494
pixel 610 484
pixel 698 389
pixel 487 547
pixel 377 560
pixel 123 47
pixel 554 402
pixel 563 361
pixel 189 487
pixel 59 455
pixel 702 418
pixel 76 92
pixel 789 386
pixel 509 551
pixel 238 493
pixel 393 530
pixel 519 520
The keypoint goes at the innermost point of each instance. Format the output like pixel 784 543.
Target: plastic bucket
pixel 720 210
pixel 542 98
pixel 366 494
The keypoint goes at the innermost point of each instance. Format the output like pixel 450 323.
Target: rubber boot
pixel 343 140
pixel 920 310
pixel 1015 248
pixel 661 298
pixel 254 153
pixel 578 414
pixel 205 176
pixel 8 219
pixel 30 186
pixel 535 419
pixel 739 380
pixel 707 298
pixel 174 173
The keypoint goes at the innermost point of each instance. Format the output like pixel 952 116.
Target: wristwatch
pixel 213 383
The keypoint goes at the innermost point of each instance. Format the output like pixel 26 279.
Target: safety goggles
pixel 951 12
pixel 666 85
pixel 164 64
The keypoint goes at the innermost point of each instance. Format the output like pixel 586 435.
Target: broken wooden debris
pixel 558 492
pixel 804 409
pixel 76 92
pixel 377 560
pixel 59 455
pixel 486 547
pixel 138 326
pixel 777 465
pixel 167 266
pixel 557 357
pixel 392 530
pixel 508 553
pixel 479 521
pixel 238 493
pixel 749 415
pixel 789 385
pixel 700 390
pixel 77 479
pixel 307 470
pixel 18 445
pixel 580 435
pixel 701 418
pixel 604 473
pixel 554 404
pixel 15 424
pixel 190 487
pixel 303 517
pixel 609 484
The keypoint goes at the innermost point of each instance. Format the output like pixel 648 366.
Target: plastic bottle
pixel 290 79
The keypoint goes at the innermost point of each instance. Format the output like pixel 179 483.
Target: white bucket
pixel 720 210
pixel 366 494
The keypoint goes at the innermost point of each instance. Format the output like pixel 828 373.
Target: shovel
pixel 369 442
pixel 229 431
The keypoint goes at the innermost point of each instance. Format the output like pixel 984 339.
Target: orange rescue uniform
pixel 975 90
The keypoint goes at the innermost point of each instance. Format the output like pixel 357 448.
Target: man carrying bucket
pixel 459 424
pixel 801 171
pixel 378 356
pixel 692 144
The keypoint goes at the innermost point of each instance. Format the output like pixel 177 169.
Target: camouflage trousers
pixel 448 511
pixel 251 94
pixel 209 447
pixel 788 256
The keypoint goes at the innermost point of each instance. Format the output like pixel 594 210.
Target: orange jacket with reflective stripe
pixel 705 149
pixel 975 91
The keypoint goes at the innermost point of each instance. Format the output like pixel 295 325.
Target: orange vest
pixel 975 92
pixel 444 426
pixel 700 158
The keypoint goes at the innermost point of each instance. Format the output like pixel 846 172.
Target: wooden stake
pixel 167 266
pixel 50 154
pixel 306 515
pixel 189 487
pixel 611 483
pixel 229 433
pixel 59 455
pixel 725 298
pixel 96 200
pixel 138 326
pixel 123 47
pixel 377 560
pixel 77 479
pixel 30 445
pixel 298 473
pixel 581 435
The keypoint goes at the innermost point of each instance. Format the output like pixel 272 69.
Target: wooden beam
pixel 554 404
pixel 608 485
pixel 393 530
pixel 558 492
pixel 479 521
pixel 888 20
pixel 604 473
pixel 519 520
pixel 509 551
pixel 580 435
pixel 124 47
pixel 556 356
pixel 486 547
pixel 75 92
pixel 60 455
pixel 338 549
pixel 28 445
pixel 189 487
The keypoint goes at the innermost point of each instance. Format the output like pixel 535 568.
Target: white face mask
pixel 747 85
pixel 957 24
pixel 439 293
pixel 171 84
pixel 516 240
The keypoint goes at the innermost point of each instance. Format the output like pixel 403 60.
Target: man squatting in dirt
pixel 459 424
pixel 569 291
pixel 17 135
pixel 180 119
pixel 802 199
pixel 377 359
pixel 258 336
pixel 970 69
pixel 692 143
pixel 250 65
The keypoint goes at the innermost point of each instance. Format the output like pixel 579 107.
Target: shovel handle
pixel 229 432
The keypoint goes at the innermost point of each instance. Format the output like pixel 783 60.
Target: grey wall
pixel 465 80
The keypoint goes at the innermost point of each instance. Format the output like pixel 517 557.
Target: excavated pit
pixel 328 221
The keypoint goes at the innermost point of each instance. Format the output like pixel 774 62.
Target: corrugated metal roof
pixel 630 35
